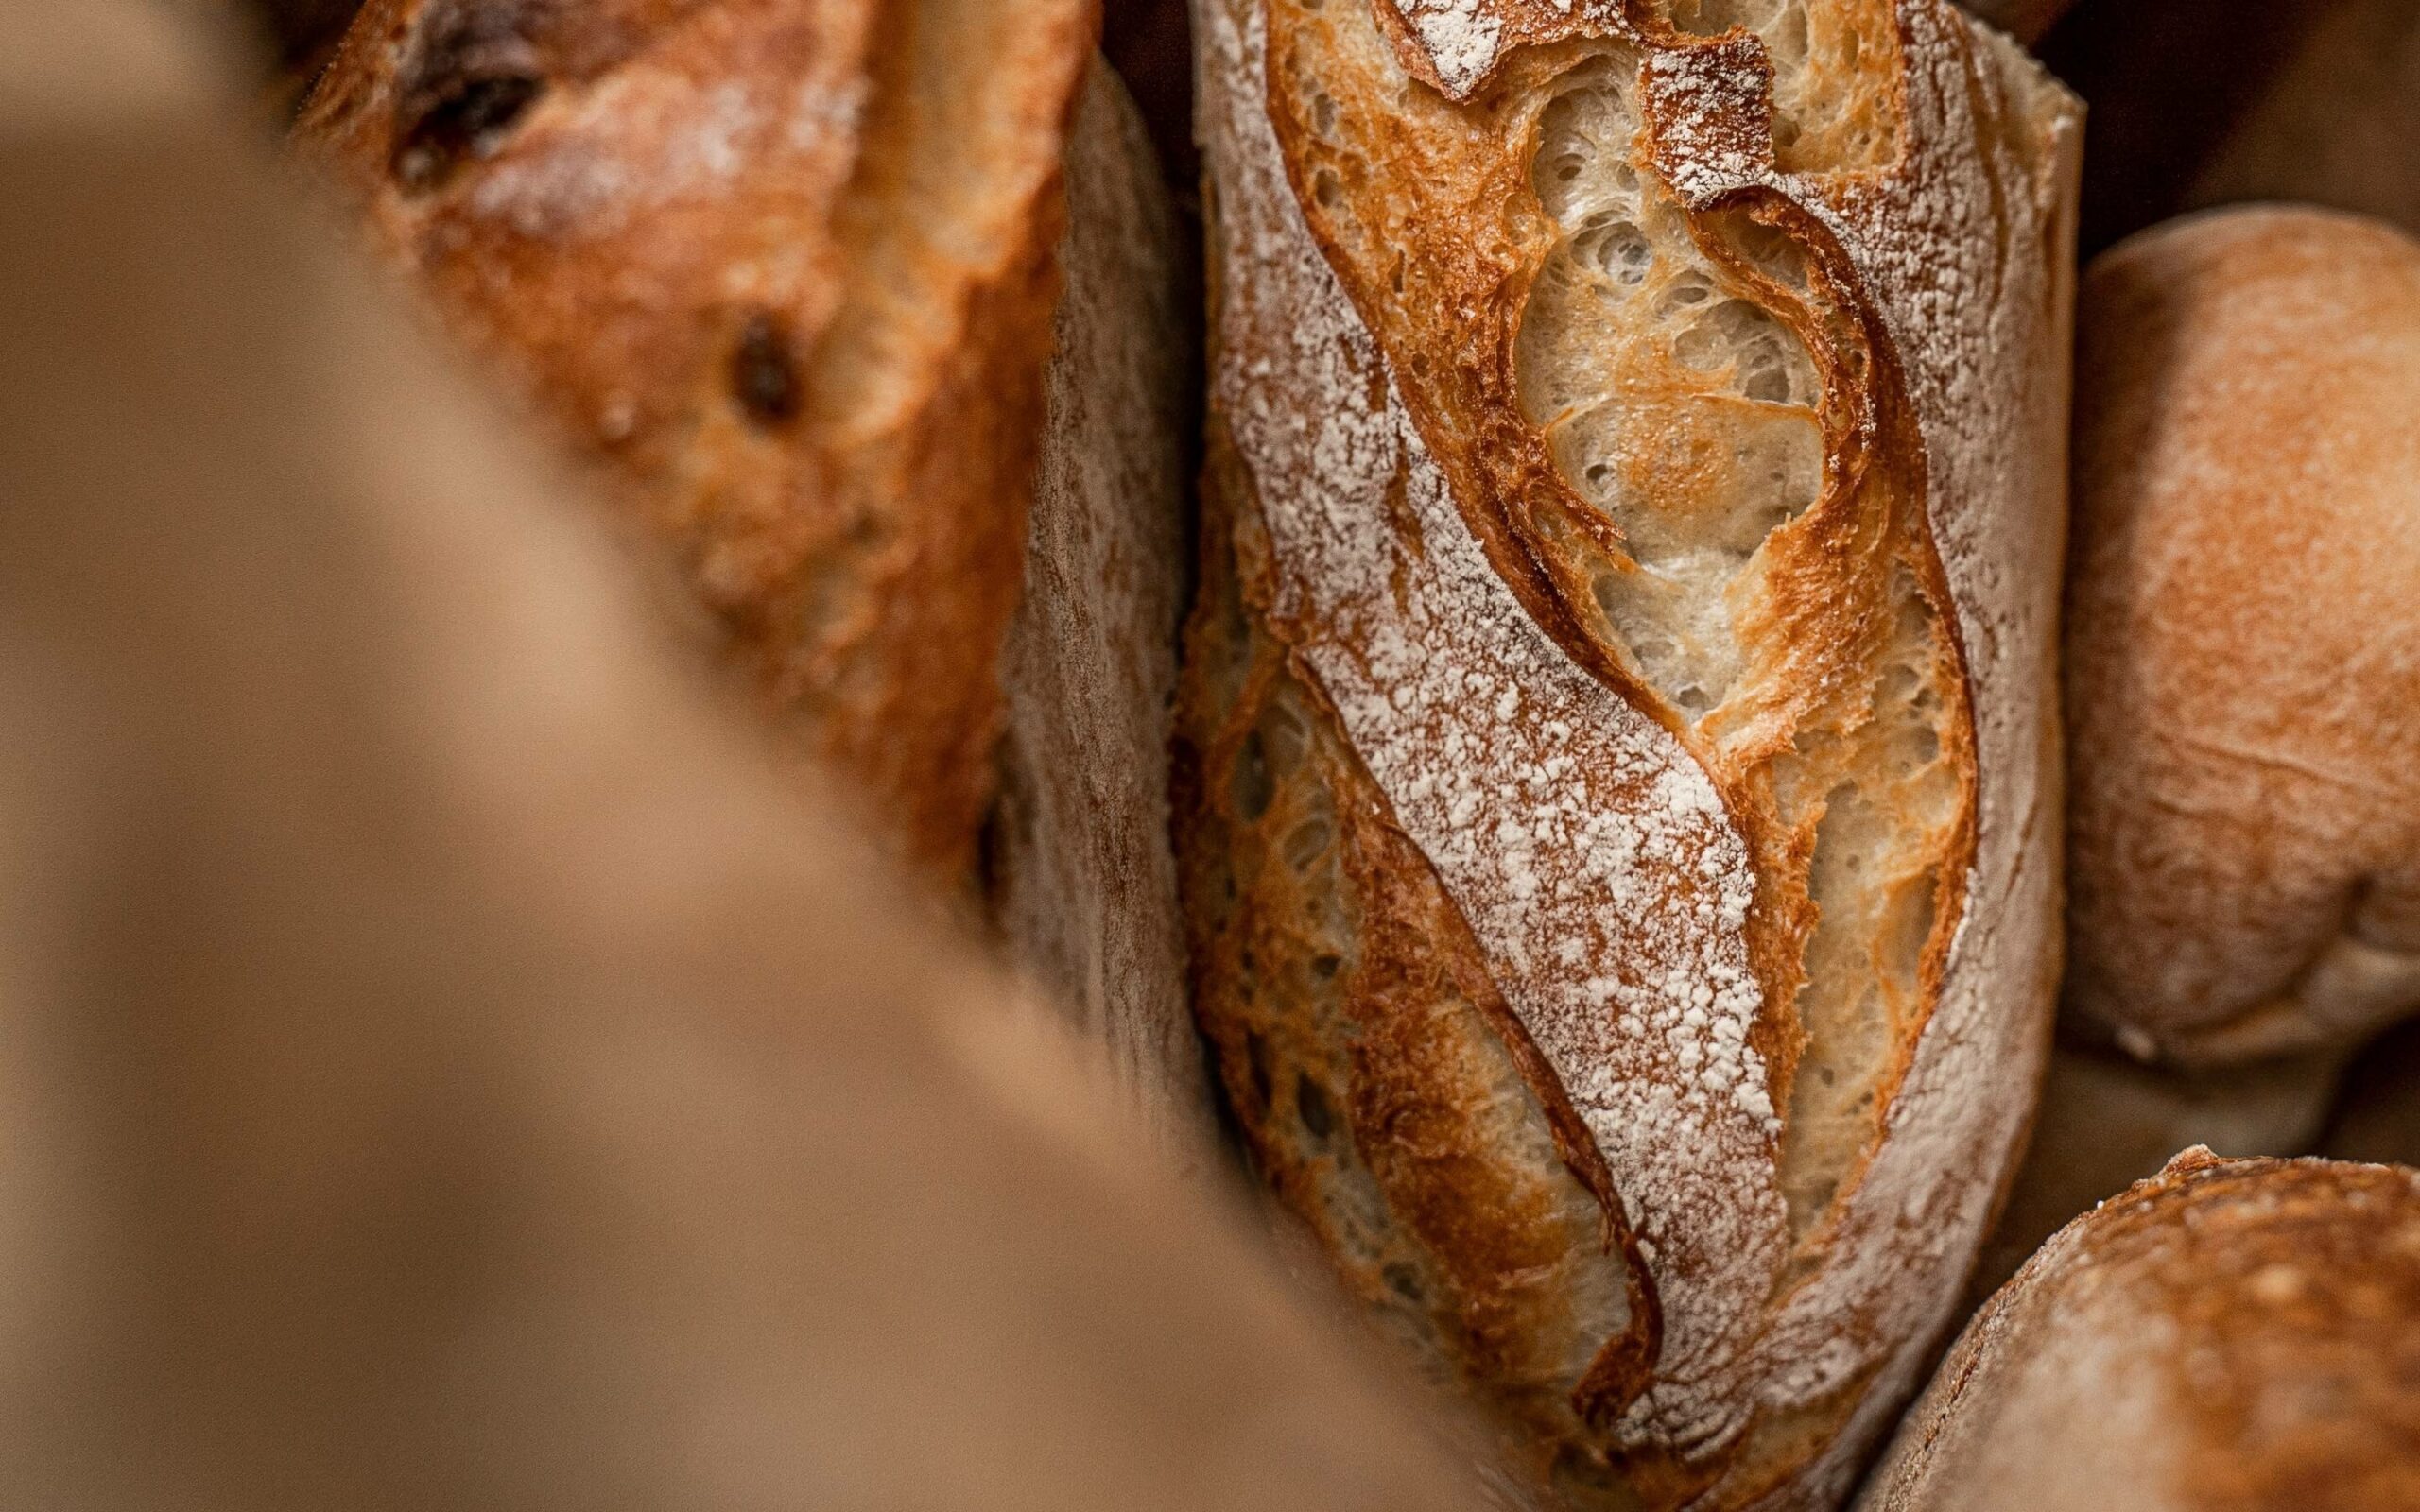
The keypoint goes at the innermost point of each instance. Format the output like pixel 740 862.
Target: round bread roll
pixel 2243 640
pixel 2229 1336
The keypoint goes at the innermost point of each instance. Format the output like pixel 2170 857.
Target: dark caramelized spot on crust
pixel 763 371
pixel 475 71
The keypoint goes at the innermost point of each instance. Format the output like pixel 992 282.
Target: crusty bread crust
pixel 789 290
pixel 2228 1337
pixel 1617 763
pixel 2243 640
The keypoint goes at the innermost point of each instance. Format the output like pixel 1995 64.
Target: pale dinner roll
pixel 2229 1336
pixel 2243 643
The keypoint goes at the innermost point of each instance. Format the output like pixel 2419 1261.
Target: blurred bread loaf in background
pixel 2229 1336
pixel 784 273
pixel 2244 649
pixel 787 279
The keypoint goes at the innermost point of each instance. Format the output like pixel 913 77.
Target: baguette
pixel 1619 838
pixel 2230 1336
pixel 2243 637
pixel 781 273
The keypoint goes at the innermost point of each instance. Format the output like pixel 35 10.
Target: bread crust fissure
pixel 1661 638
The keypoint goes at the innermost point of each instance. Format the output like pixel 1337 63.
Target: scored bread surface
pixel 1615 762
pixel 783 271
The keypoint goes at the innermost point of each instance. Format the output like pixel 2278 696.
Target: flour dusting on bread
pixel 1590 413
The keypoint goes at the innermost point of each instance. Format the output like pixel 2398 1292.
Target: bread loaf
pixel 2243 637
pixel 784 273
pixel 2239 1336
pixel 1617 759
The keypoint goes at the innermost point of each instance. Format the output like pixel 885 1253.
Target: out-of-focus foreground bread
pixel 2243 637
pixel 1617 759
pixel 2239 1336
pixel 783 270
pixel 1080 874
pixel 440 1066
pixel 2107 1122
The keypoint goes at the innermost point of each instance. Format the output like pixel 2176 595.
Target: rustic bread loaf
pixel 2237 1337
pixel 2243 637
pixel 784 272
pixel 1617 759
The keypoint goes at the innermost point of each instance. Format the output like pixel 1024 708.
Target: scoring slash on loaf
pixel 2243 637
pixel 783 271
pixel 2228 1337
pixel 1616 768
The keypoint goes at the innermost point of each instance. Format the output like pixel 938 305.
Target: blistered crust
pixel 787 290
pixel 1611 787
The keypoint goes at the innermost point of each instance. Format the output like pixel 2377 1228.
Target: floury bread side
pixel 782 271
pixel 1081 878
pixel 1617 758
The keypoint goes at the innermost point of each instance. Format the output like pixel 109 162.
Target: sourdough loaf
pixel 2243 637
pixel 782 274
pixel 2238 1336
pixel 1617 759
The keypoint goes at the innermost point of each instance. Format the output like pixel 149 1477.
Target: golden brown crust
pixel 790 290
pixel 1677 600
pixel 1360 1041
pixel 2244 649
pixel 2237 1337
